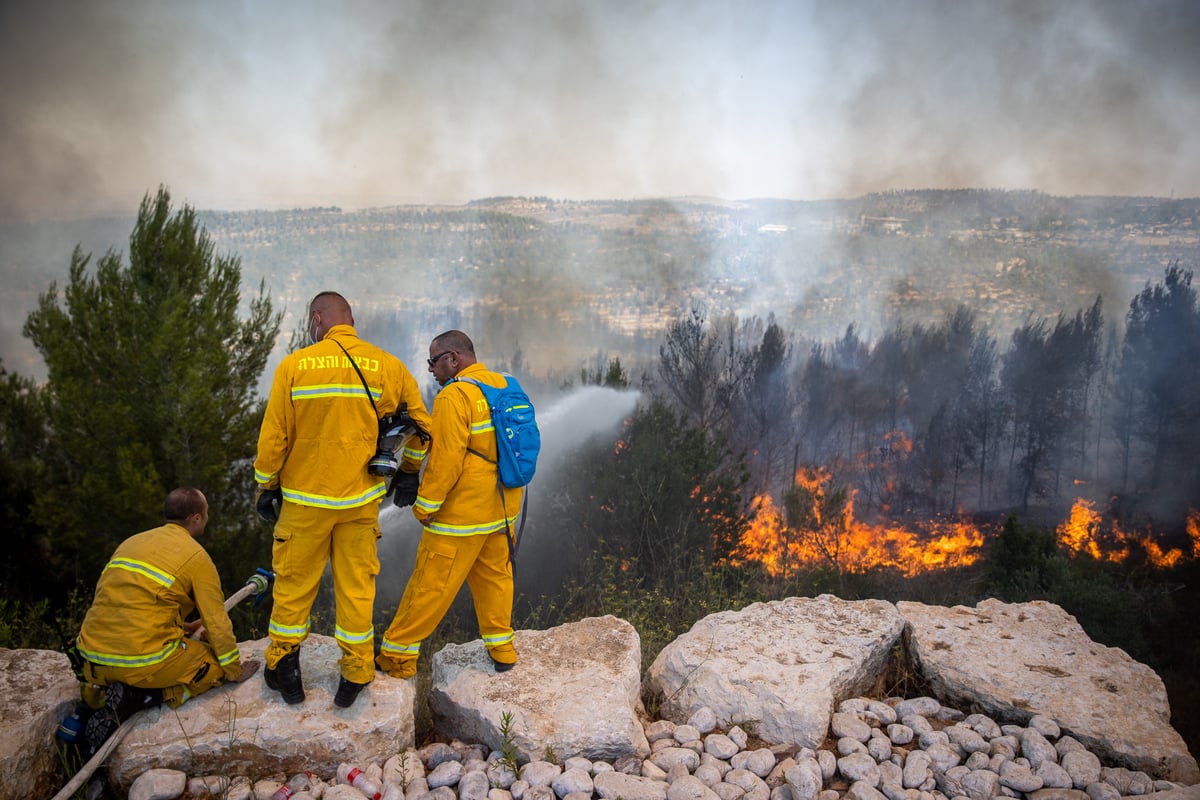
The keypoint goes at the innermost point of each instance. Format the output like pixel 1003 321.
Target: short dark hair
pixel 328 302
pixel 181 503
pixel 457 341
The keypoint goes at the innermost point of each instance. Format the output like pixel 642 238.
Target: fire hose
pixel 256 586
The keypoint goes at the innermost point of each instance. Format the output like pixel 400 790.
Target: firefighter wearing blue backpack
pixel 466 514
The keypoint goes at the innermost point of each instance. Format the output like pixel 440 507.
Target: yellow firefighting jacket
pixel 460 491
pixel 319 430
pixel 154 580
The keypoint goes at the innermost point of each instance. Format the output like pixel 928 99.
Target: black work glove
pixel 268 503
pixel 403 490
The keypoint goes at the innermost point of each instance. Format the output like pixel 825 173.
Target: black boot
pixel 125 700
pixel 285 678
pixel 98 728
pixel 347 692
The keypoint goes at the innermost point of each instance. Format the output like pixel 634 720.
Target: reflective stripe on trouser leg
pixel 441 566
pixel 398 660
pixel 299 553
pixel 491 585
pixel 191 669
pixel 355 561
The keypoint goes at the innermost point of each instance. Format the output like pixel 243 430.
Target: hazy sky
pixel 236 105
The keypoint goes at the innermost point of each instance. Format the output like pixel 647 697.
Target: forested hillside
pixel 562 279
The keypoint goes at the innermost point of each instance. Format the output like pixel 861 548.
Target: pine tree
pixel 151 385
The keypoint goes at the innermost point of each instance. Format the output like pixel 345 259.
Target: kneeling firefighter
pixel 134 643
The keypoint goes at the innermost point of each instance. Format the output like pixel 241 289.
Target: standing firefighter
pixel 134 637
pixel 319 433
pixel 467 518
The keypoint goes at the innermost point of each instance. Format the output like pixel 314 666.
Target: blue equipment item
pixel 71 729
pixel 518 440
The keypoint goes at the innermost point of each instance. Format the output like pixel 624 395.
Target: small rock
pixel 899 734
pixel 474 785
pixel 572 780
pixel 720 746
pixel 1082 766
pixel 703 720
pixel 611 785
pixel 1045 726
pixel 1102 791
pixel 539 773
pixel 158 784
pixel 689 787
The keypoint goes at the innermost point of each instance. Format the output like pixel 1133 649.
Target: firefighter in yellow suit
pixel 319 432
pixel 465 517
pixel 135 632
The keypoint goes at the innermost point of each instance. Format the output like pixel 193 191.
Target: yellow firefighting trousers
pixel 306 539
pixel 191 669
pixel 442 564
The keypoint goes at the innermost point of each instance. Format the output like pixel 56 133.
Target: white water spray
pixel 566 424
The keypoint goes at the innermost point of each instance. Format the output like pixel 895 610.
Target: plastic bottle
pixel 352 775
pixel 298 783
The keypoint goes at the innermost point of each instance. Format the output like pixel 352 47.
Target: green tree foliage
pixel 613 376
pixel 1160 376
pixel 665 501
pixel 1024 563
pixel 763 426
pixel 981 412
pixel 703 368
pixel 1018 557
pixel 820 521
pixel 23 450
pixel 151 385
pixel 834 398
pixel 1046 376
pixel 654 519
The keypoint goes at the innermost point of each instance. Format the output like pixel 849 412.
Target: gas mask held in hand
pixel 394 430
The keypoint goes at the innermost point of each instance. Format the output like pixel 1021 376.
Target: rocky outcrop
pixel 1012 661
pixel 246 729
pixel 783 665
pixel 786 664
pixel 576 691
pixel 781 670
pixel 914 749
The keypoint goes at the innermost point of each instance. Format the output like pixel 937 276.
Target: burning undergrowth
pixel 818 525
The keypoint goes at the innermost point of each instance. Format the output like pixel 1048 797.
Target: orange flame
pixel 1083 533
pixel 1078 533
pixel 849 544
pixel 852 545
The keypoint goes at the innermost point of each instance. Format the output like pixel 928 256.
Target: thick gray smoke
pixel 279 105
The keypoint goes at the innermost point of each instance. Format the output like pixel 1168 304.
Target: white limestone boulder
pixel 781 666
pixel 576 689
pixel 247 729
pixel 1014 661
pixel 37 691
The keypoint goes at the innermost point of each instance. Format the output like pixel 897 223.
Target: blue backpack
pixel 518 439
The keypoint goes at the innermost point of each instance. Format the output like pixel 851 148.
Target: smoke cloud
pixel 279 105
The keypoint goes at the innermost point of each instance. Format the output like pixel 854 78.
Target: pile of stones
pixel 914 749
